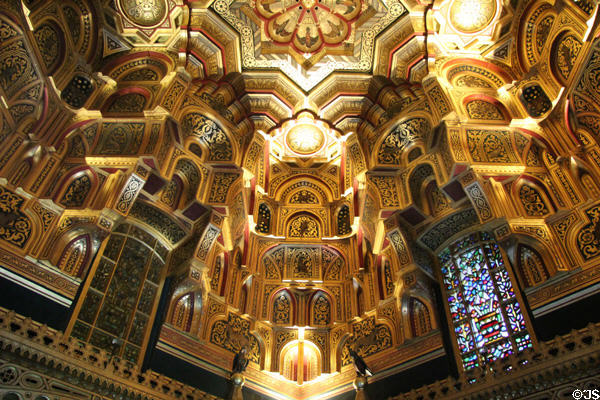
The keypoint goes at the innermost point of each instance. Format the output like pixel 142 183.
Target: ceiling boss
pixel 309 25
pixel 144 12
pixel 305 139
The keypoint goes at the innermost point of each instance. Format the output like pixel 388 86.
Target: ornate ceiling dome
pixel 308 40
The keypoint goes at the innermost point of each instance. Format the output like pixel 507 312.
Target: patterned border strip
pixel 53 280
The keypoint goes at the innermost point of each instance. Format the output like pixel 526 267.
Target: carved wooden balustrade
pixel 560 365
pixel 83 365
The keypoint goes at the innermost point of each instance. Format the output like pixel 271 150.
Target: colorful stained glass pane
pixel 450 279
pixel 470 361
pixel 489 328
pixel 517 322
pixel 481 299
pixel 503 283
pixel 445 256
pixel 498 350
pixel 463 334
pixel 466 242
pixel 523 342
pixel 457 308
pixel 493 254
pixel 486 236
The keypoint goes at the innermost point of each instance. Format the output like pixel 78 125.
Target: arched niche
pixel 191 179
pixel 282 308
pixel 76 256
pixel 263 220
pixel 420 317
pixel 535 26
pixel 304 225
pixel 182 312
pixel 298 367
pixel 77 188
pixel 343 220
pixel 201 129
pixel 386 277
pixel 485 109
pixel 533 198
pixel 389 150
pixel 284 190
pixel 563 55
pixel 321 309
pixel 530 266
pixel 171 194
pixel 469 73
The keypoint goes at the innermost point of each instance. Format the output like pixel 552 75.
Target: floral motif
pixel 532 202
pixel 588 239
pixel 303 197
pixel 15 227
pixel 282 310
pixel 322 311
pixel 304 226
pixel 144 12
pixel 309 25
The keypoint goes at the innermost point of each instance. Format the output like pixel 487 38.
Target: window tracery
pixel 485 313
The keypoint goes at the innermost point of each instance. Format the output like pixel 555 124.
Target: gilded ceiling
pixel 285 173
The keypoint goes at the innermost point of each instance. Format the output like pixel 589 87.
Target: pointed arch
pixel 531 266
pixel 77 188
pixel 320 309
pixel 420 317
pixel 534 199
pixel 76 256
pixel 283 308
pixel 181 316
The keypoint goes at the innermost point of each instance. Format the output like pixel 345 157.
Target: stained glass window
pixel 487 319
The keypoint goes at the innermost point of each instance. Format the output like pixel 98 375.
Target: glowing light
pixel 305 138
pixel 470 16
